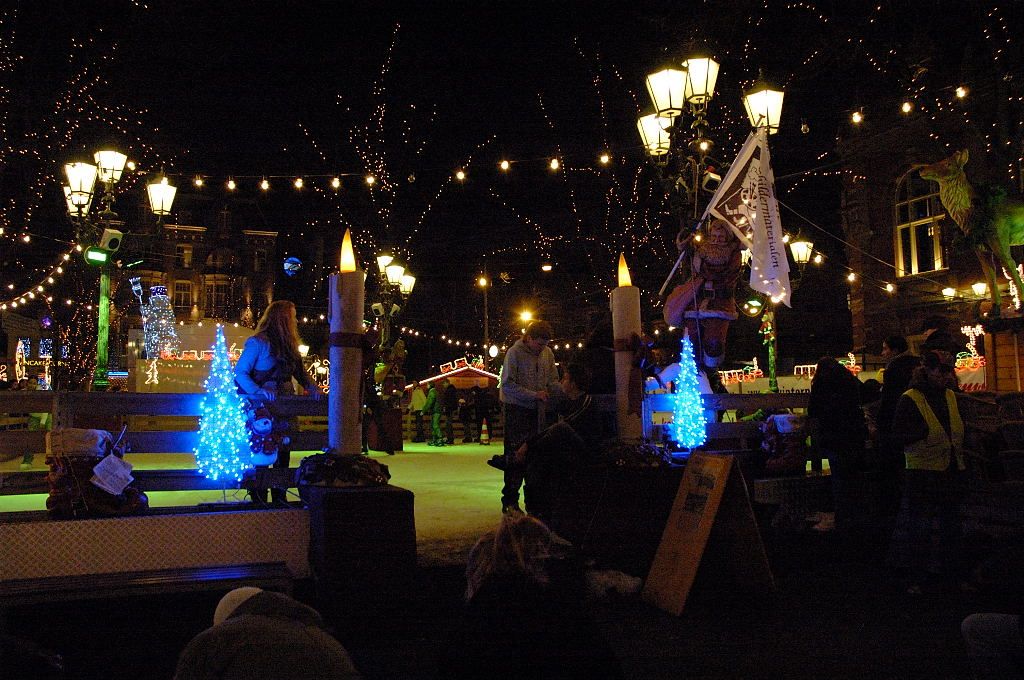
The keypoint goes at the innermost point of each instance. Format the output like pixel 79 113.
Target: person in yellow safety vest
pixel 928 426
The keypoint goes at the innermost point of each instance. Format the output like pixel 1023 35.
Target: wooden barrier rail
pixel 177 416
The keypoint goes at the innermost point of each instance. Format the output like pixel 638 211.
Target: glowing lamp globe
pixel 405 285
pixel 653 136
pixel 802 251
pixel 666 90
pixel 394 273
pixel 161 196
pixel 110 164
pixel 72 208
pixel 701 76
pixel 383 260
pixel 764 105
pixel 81 182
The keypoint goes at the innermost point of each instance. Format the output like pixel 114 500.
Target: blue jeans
pixel 520 425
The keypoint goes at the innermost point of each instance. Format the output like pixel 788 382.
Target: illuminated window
pixel 183 256
pixel 217 296
pixel 26 346
pixel 183 296
pixel 45 348
pixel 918 232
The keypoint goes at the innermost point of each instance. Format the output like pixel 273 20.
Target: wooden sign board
pixel 711 522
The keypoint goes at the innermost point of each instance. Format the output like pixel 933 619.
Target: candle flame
pixel 624 279
pixel 348 257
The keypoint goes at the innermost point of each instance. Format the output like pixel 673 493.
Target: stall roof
pixel 464 372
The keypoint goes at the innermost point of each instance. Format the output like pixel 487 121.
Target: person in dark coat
pixel 450 403
pixel 574 439
pixel 838 431
pixel 483 404
pixel 524 615
pixel 259 635
pixel 889 463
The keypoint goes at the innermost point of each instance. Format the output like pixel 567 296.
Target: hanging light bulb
pixel 265 185
pixel 336 183
pixel 504 165
pixel 857 117
pixel 371 180
pixel 554 164
pixel 605 159
pixel 231 185
pixel 198 181
pixel 298 183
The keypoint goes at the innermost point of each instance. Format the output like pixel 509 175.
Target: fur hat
pixel 230 602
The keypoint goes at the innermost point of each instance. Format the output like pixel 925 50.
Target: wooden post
pixel 345 309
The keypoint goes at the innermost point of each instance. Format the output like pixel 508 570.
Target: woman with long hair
pixel 269 361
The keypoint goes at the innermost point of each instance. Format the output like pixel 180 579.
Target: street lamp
pixel 394 286
pixel 484 284
pixel 98 233
pixel 802 251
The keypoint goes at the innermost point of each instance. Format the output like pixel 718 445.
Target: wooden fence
pixel 168 423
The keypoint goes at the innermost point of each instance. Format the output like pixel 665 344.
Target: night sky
pixel 248 90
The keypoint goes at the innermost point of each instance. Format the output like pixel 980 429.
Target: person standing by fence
pixel 528 380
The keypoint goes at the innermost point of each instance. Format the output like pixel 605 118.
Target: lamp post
pixel 802 250
pixel 97 231
pixel 484 284
pixel 394 286
pixel 676 137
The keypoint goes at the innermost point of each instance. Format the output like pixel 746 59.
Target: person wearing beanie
pixel 259 634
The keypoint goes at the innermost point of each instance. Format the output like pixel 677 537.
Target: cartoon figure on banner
pixel 706 301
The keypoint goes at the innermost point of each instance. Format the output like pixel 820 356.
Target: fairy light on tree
pixel 223 451
pixel 688 420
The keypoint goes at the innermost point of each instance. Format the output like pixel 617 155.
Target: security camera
pixel 711 181
pixel 110 240
pixel 378 309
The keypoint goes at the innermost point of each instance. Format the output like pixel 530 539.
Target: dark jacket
pixel 516 628
pixel 895 381
pixel 582 416
pixel 835 406
pixel 450 398
pixel 270 636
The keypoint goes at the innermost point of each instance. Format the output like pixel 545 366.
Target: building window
pixel 217 295
pixel 259 261
pixel 26 347
pixel 183 256
pixel 45 348
pixel 183 296
pixel 918 226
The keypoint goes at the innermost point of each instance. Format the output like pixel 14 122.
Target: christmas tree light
pixel 223 451
pixel 688 410
pixel 158 323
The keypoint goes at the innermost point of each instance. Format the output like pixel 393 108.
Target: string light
pixel 298 183
pixel 335 182
pixel 857 117
pixel 198 181
pixel 504 165
pixel 231 185
pixel 961 92
pixel 460 175
pixel 555 164
pixel 264 184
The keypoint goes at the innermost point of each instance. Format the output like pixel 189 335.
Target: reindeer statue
pixel 990 223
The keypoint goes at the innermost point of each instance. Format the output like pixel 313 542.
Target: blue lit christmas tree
pixel 688 410
pixel 223 451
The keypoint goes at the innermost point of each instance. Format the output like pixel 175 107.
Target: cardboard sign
pixel 711 522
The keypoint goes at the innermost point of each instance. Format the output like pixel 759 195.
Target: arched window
pixel 918 233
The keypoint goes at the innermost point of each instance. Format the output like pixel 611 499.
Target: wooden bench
pixel 267 575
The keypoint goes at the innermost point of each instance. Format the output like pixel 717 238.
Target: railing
pixel 158 423
pixel 168 423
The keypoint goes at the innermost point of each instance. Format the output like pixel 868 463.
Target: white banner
pixel 745 200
